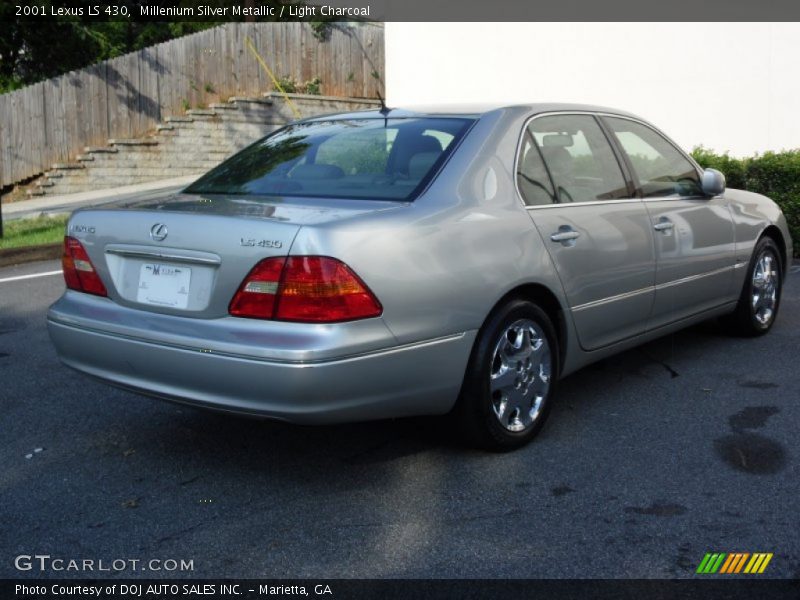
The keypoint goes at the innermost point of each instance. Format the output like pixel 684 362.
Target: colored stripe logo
pixel 734 562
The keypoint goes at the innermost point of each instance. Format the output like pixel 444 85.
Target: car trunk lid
pixel 188 254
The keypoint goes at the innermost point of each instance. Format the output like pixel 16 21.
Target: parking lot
pixel 650 459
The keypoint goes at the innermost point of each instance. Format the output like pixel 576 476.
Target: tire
pixel 510 379
pixel 761 293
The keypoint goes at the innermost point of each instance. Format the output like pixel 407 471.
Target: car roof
pixel 468 110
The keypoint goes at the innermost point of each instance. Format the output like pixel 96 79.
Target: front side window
pixel 579 158
pixel 377 159
pixel 662 170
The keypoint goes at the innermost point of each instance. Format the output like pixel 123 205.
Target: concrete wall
pixel 727 86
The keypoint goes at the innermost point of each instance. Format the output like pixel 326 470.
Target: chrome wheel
pixel 519 378
pixel 765 289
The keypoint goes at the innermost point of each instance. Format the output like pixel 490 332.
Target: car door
pixel 598 235
pixel 694 234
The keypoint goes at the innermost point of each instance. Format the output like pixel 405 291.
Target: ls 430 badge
pixel 261 243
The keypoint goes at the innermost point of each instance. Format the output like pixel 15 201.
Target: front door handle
pixel 565 235
pixel 664 225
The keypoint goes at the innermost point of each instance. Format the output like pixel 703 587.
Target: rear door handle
pixel 565 235
pixel 664 225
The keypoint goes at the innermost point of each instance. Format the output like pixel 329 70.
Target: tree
pixel 32 50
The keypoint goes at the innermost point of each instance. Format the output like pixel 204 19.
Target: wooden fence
pixel 124 97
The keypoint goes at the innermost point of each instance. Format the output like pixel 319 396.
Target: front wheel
pixel 510 379
pixel 761 295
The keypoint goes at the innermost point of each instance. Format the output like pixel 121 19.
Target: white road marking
pixel 31 276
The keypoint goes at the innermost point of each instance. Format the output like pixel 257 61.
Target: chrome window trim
pixel 669 140
pixel 591 203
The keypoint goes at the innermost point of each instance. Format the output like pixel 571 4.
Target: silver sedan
pixel 447 260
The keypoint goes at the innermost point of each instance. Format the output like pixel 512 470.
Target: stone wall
pixel 186 144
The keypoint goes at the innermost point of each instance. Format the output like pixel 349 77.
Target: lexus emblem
pixel 159 232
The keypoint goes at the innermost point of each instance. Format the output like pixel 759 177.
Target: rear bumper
pixel 414 379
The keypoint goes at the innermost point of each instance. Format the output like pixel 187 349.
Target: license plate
pixel 164 285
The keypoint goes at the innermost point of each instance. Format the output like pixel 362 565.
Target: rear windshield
pixel 377 159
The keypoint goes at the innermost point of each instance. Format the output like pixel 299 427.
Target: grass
pixel 33 232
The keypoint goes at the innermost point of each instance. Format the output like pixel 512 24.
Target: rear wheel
pixel 761 295
pixel 511 377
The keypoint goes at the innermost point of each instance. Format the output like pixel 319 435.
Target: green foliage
pixel 287 84
pixel 290 85
pixel 185 104
pixel 733 168
pixel 773 174
pixel 36 49
pixel 313 87
pixel 209 88
pixel 33 232
pixel 321 29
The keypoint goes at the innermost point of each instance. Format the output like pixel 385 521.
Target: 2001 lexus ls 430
pixel 416 262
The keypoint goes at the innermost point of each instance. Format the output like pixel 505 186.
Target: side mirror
pixel 713 182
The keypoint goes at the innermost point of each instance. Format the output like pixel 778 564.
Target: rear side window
pixel 662 169
pixel 379 159
pixel 578 157
pixel 532 178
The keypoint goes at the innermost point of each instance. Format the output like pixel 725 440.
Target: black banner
pixel 406 10
pixel 390 589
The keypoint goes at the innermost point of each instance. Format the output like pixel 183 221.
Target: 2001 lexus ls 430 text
pixel 416 262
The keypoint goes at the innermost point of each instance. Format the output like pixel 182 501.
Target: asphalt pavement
pixel 650 459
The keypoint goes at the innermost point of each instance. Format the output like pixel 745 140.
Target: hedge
pixel 774 174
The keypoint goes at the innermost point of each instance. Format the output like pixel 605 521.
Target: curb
pixel 17 256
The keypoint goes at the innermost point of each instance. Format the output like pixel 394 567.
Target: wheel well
pixel 548 302
pixel 773 232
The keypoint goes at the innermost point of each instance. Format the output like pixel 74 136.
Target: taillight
pixel 79 273
pixel 321 289
pixel 309 289
pixel 256 295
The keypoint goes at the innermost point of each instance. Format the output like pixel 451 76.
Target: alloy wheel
pixel 765 288
pixel 520 375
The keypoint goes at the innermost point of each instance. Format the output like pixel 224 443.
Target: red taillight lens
pixel 309 289
pixel 79 273
pixel 256 295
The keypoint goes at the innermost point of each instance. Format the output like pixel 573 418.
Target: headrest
pixel 561 140
pixel 316 171
pixel 557 157
pixel 426 143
